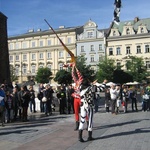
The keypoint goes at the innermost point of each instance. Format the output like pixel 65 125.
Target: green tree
pixel 43 75
pixel 106 70
pixel 63 77
pixel 135 67
pixel 85 69
pixel 13 76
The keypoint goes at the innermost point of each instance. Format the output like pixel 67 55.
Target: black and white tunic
pixel 87 103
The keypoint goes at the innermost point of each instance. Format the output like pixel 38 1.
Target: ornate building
pixel 130 38
pixel 28 52
pixel 90 43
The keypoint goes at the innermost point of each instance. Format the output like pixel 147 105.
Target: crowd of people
pixel 118 97
pixel 15 102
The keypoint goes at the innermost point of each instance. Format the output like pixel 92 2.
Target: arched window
pixel 127 31
pixel 114 33
pixel 142 30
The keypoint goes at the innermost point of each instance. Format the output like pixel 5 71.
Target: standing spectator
pixel 148 92
pixel 40 96
pixel 70 90
pixel 24 98
pixel 119 98
pixel 125 101
pixel 9 107
pixel 32 99
pixel 133 98
pixel 49 95
pixel 107 99
pixel 15 102
pixel 113 94
pixel 62 100
pixel 145 98
pixel 2 106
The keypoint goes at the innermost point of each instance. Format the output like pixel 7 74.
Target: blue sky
pixel 30 14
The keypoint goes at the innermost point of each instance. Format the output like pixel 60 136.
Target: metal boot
pixel 90 138
pixel 80 136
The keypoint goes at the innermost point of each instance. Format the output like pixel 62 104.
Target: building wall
pixel 129 36
pixel 40 49
pixel 90 43
pixel 4 57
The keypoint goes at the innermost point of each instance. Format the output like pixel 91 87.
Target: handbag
pixel 44 99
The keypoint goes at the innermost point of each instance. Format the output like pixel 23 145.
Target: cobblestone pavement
pixel 125 131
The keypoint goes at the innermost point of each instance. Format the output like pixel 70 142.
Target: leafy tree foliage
pixel 63 77
pixel 135 67
pixel 85 69
pixel 106 70
pixel 43 75
pixel 13 76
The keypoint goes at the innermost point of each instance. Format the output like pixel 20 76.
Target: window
pixel 49 55
pixel 69 40
pixel 33 69
pixel 114 33
pixel 10 46
pixel 89 34
pixel 118 64
pixel 92 58
pixel 128 50
pixel 17 46
pixel 17 57
pixel 127 31
pixel 147 50
pixel 41 66
pixel 100 47
pixel 24 69
pixel 24 45
pixel 60 54
pixel 147 65
pixel 138 49
pixel 10 58
pixel 33 56
pixel 100 58
pixel 82 48
pixel 49 66
pixel 92 47
pixel 17 70
pixel 33 43
pixel 41 43
pixel 142 30
pixel 61 66
pixel 24 57
pixel 48 42
pixel 40 55
pixel 118 52
pixel 110 51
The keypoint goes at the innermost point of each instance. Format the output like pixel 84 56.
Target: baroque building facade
pixel 35 49
pixel 90 44
pixel 129 38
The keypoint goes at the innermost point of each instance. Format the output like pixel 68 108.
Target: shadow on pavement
pixel 136 131
pixel 118 124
